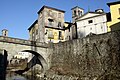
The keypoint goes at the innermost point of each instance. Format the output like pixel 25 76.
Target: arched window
pixel 80 13
pixel 75 12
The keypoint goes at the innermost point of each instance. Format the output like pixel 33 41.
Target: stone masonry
pixel 95 57
pixel 14 45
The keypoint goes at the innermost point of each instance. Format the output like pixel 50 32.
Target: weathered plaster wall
pixel 92 58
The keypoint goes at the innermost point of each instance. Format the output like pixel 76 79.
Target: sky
pixel 17 15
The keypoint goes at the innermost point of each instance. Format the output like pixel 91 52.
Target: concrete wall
pixel 91 58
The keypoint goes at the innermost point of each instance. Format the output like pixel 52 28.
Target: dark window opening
pixel 80 13
pixel 119 11
pixel 50 21
pixel 60 35
pixel 33 36
pixel 5 33
pixel 69 29
pixel 59 24
pixel 90 21
pixel 36 31
pixel 75 12
pixel 69 38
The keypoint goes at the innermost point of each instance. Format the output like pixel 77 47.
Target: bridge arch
pixel 37 59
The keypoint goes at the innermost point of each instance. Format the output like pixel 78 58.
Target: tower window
pixel 75 12
pixel 90 21
pixel 80 13
pixel 5 33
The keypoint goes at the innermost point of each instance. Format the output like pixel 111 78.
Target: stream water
pixel 13 76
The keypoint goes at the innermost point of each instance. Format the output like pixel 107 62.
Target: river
pixel 13 76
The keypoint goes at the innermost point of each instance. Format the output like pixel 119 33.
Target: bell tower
pixel 5 32
pixel 76 13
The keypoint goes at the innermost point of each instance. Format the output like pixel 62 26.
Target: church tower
pixel 76 13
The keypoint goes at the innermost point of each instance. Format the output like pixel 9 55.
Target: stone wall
pixel 15 45
pixel 95 57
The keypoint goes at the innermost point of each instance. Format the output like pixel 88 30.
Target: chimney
pixel 5 32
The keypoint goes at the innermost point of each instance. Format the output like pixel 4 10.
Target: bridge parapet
pixel 22 41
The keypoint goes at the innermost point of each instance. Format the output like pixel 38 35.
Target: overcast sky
pixel 17 15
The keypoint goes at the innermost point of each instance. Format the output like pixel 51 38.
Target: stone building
pixel 70 31
pixel 49 27
pixel 90 22
pixel 5 32
pixel 76 13
pixel 114 23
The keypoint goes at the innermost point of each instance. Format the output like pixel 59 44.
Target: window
pixel 69 38
pixel 60 35
pixel 119 11
pixel 69 29
pixel 80 13
pixel 90 21
pixel 59 24
pixel 59 15
pixel 90 28
pixel 36 31
pixel 54 14
pixel 36 34
pixel 50 12
pixel 50 34
pixel 75 12
pixel 55 34
pixel 33 36
pixel 50 21
pixel 40 14
pixel 5 33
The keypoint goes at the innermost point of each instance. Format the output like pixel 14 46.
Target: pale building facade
pixel 22 55
pixel 91 22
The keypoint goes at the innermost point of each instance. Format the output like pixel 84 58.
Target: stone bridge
pixel 15 45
